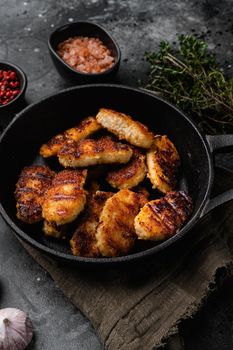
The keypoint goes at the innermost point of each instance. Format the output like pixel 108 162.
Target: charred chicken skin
pixel 125 128
pixel 64 200
pixel 163 162
pixel 86 127
pixel 30 188
pixel 83 242
pixel 92 152
pixel 129 175
pixel 161 218
pixel 115 232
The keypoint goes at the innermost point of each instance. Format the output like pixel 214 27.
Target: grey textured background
pixel 138 26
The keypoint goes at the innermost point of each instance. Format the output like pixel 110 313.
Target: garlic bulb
pixel 15 329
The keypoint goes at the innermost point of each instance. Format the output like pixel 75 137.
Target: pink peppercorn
pixel 9 86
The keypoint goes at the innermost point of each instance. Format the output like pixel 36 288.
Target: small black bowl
pixel 88 29
pixel 15 104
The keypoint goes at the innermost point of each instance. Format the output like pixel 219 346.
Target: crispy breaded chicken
pixel 83 242
pixel 51 148
pixel 131 174
pixel 125 128
pixel 163 161
pixel 33 182
pixel 53 230
pixel 91 152
pixel 162 218
pixel 64 200
pixel 86 127
pixel 115 232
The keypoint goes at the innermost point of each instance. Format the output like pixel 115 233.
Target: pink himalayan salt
pixel 87 55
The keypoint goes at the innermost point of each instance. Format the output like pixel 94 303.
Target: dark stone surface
pixel 138 26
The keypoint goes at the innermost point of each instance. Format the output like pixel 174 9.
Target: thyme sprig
pixel 191 78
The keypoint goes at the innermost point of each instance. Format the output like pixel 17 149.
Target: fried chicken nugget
pixel 163 162
pixel 86 127
pixel 91 152
pixel 53 230
pixel 161 218
pixel 125 128
pixel 83 242
pixel 131 174
pixel 30 188
pixel 64 200
pixel 115 232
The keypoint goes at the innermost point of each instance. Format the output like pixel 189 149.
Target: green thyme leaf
pixel 191 78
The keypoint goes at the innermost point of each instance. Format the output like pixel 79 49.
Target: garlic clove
pixel 16 329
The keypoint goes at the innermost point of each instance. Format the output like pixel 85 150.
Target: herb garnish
pixel 192 79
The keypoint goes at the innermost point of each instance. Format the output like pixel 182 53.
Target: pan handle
pixel 217 142
pixel 217 201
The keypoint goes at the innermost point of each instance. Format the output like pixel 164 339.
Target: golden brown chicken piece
pixel 163 161
pixel 91 152
pixel 64 200
pixel 33 182
pixel 55 231
pixel 125 128
pixel 162 218
pixel 115 232
pixel 86 127
pixel 51 148
pixel 131 174
pixel 83 242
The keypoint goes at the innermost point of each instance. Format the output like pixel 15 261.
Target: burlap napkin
pixel 142 306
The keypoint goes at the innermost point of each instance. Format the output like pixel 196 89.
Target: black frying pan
pixel 21 140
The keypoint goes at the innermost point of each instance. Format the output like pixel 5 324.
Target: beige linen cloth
pixel 141 306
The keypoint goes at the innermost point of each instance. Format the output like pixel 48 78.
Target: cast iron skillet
pixel 20 143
